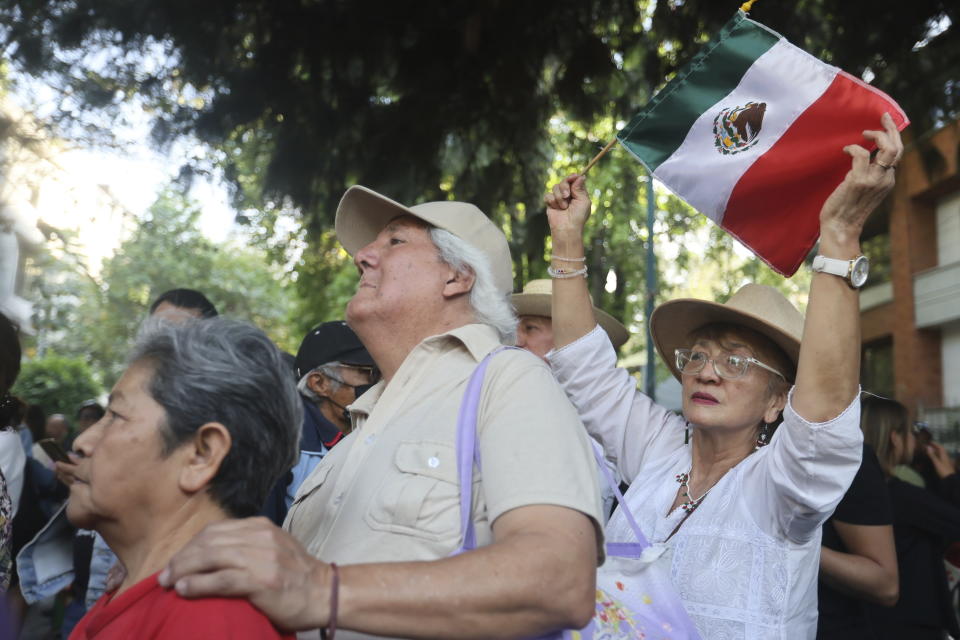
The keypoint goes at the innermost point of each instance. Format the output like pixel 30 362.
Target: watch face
pixel 860 271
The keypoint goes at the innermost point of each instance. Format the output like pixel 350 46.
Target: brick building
pixel 911 305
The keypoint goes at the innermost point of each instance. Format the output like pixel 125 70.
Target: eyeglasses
pixel 727 365
pixel 372 373
pixel 362 368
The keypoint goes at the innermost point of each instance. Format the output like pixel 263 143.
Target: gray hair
pixel 330 371
pixel 490 305
pixel 221 370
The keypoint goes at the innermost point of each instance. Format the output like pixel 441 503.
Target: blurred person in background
pixel 36 420
pixel 9 370
pixel 9 409
pixel 924 523
pixel 88 414
pixel 23 429
pixel 57 427
pixel 12 457
pixel 182 303
pixel 858 558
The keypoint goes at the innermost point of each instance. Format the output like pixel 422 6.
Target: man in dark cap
pixel 333 369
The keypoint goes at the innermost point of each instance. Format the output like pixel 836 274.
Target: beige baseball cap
pixel 363 213
pixel 536 301
pixel 754 306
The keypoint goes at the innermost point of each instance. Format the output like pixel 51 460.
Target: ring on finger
pixel 885 166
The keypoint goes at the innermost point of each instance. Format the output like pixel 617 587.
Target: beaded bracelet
pixel 581 259
pixel 562 274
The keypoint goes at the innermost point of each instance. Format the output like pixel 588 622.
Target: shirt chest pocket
pixel 420 494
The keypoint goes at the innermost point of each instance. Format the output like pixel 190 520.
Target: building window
pixel 948 229
pixel 876 367
pixel 877 249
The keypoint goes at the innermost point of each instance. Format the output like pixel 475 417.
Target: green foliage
pixel 57 383
pixel 97 320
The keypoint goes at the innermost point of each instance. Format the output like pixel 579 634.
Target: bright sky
pixel 133 178
pixel 93 191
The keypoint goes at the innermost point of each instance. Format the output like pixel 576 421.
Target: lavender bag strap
pixel 467 450
pixel 631 549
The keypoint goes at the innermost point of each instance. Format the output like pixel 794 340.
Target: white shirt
pixel 12 460
pixel 745 563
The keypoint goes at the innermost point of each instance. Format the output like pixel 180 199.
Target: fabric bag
pixel 635 596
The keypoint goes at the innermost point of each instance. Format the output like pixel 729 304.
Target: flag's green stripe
pixel 661 126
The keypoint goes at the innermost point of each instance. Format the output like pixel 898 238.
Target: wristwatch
pixel 854 271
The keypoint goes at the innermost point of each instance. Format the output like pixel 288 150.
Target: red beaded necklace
pixel 689 505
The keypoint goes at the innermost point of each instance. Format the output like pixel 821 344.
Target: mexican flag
pixel 751 133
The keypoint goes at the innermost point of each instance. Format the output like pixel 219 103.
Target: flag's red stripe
pixel 775 206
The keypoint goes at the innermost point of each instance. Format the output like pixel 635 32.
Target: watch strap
pixel 833 266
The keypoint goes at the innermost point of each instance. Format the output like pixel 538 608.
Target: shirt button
pixel 434 462
pixel 338 499
pixel 369 439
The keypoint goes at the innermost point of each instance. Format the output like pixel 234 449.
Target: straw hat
pixel 535 301
pixel 363 213
pixel 754 306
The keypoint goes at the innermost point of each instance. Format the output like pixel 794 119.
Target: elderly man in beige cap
pixel 385 504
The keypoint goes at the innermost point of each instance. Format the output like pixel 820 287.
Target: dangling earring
pixel 686 434
pixel 763 439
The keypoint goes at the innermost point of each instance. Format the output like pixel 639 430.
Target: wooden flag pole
pixel 597 157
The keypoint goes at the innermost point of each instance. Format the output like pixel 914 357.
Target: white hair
pixel 490 305
pixel 329 370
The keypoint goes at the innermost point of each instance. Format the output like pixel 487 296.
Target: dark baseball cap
pixel 330 342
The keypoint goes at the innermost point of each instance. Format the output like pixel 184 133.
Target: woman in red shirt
pixel 202 423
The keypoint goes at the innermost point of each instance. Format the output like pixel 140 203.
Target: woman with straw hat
pixel 735 511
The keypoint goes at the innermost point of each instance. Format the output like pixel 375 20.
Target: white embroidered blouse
pixel 745 563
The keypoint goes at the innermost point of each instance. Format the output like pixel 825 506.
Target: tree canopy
pixel 482 101
pixel 96 319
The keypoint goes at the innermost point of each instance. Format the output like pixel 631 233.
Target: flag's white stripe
pixel 788 80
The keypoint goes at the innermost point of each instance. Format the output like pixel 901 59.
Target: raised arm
pixel 828 372
pixel 568 207
pixel 612 409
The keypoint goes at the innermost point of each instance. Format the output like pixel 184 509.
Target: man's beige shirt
pixel 389 491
